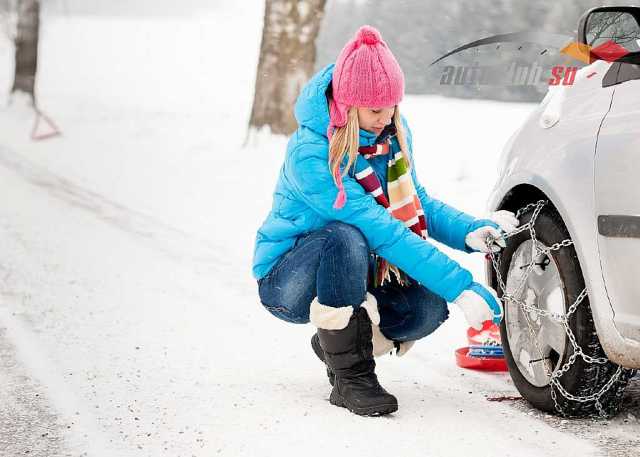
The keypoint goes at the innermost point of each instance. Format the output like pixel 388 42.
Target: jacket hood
pixel 312 108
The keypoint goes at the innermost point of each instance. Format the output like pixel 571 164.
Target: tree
pixel 287 56
pixel 26 43
pixel 21 21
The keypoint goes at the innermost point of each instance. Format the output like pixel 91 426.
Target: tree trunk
pixel 287 57
pixel 27 47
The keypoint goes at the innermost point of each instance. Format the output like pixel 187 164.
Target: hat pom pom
pixel 368 35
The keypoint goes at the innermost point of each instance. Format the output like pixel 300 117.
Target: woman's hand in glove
pixel 478 239
pixel 480 304
pixel 484 228
pixel 505 219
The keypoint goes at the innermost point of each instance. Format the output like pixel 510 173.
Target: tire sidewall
pixel 549 229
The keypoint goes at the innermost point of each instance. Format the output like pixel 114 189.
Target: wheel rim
pixel 543 288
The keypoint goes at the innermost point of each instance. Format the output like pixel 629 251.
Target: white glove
pixel 476 308
pixel 477 239
pixel 505 219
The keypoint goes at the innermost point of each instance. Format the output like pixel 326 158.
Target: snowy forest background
pixel 418 32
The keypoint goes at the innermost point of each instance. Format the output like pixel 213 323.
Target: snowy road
pixel 120 337
pixel 27 419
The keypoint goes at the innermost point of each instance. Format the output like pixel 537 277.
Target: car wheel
pixel 535 343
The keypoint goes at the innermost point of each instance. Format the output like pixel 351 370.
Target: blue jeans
pixel 333 263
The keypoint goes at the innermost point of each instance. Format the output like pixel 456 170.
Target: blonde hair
pixel 345 140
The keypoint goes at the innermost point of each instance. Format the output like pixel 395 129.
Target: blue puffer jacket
pixel 305 192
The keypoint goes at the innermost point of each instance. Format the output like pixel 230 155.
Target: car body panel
pixel 617 197
pixel 559 161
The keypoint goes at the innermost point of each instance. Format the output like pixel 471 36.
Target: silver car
pixel 570 275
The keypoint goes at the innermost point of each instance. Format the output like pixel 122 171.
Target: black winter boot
pixel 315 345
pixel 348 352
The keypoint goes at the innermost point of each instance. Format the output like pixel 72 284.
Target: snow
pixel 126 296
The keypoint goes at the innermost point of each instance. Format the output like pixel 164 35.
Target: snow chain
pixel 563 319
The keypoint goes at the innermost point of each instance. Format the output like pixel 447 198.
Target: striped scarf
pixel 402 201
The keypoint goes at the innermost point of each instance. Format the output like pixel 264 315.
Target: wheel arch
pixel 514 199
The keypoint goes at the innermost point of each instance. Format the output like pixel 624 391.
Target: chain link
pixel 554 375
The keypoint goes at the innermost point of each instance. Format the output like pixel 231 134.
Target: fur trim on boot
pixel 329 317
pixel 337 318
pixel 381 344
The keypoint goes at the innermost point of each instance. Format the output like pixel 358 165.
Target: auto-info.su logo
pixel 530 73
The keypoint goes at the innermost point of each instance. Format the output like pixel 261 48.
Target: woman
pixel 345 243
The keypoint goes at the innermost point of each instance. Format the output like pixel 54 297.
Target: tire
pixel 582 379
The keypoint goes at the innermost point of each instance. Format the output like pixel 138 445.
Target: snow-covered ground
pixel 129 321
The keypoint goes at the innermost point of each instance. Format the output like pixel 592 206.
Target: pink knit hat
pixel 366 74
